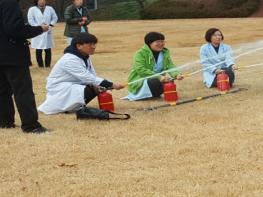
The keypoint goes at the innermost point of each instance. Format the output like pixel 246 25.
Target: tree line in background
pixel 199 9
pixel 157 9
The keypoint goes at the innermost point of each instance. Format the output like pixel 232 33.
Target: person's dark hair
pixel 153 36
pixel 209 33
pixel 83 38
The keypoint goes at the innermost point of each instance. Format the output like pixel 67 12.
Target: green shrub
pixel 116 10
pixel 230 4
pixel 188 9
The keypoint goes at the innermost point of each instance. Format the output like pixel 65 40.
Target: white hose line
pixel 195 62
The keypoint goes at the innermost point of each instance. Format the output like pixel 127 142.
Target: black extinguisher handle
pixel 103 89
pixel 172 79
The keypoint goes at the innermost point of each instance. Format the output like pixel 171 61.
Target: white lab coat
pixel 211 61
pixel 37 18
pixel 66 84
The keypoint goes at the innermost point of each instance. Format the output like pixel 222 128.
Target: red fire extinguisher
pixel 169 91
pixel 105 101
pixel 222 82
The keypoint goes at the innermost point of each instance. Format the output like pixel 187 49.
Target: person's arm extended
pixel 13 22
pixel 73 66
pixel 229 59
pixel 171 65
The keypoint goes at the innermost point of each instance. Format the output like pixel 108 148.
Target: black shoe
pixel 7 125
pixel 37 130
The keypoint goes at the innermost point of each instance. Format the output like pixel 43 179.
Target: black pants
pixel 155 86
pixel 40 58
pixel 89 93
pixel 229 71
pixel 17 81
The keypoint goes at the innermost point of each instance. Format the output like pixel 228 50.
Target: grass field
pixel 207 148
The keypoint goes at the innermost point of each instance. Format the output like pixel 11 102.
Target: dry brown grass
pixel 207 148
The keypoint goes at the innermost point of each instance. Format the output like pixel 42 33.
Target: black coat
pixel 14 49
pixel 72 18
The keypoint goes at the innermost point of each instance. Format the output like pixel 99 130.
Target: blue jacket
pixel 210 57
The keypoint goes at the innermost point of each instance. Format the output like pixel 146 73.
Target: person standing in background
pixel 77 18
pixel 38 15
pixel 15 76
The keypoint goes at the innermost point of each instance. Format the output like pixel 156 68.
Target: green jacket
pixel 143 63
pixel 72 18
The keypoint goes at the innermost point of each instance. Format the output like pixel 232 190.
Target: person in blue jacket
pixel 216 57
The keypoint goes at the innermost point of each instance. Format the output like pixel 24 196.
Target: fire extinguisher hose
pixel 192 100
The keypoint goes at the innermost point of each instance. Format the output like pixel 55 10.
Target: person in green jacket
pixel 77 18
pixel 151 59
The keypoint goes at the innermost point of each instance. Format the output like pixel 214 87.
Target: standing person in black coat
pixel 15 76
pixel 77 18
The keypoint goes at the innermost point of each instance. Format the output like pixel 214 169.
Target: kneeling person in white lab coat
pixel 73 82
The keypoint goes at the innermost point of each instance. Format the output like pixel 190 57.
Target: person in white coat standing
pixel 38 15
pixel 73 82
